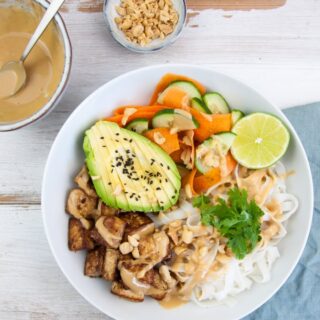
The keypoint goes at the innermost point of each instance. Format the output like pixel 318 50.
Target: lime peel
pixel 262 139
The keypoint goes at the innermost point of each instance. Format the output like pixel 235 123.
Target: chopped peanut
pixel 145 20
pixel 125 248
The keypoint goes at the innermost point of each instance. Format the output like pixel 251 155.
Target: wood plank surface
pixel 235 4
pixel 276 50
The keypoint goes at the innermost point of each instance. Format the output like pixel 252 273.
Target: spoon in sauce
pixel 13 74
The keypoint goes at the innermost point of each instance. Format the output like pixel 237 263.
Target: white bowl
pixel 49 106
pixel 66 158
pixel 109 12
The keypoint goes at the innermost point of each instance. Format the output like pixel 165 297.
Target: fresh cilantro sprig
pixel 237 219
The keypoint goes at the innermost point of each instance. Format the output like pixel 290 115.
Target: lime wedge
pixel 262 139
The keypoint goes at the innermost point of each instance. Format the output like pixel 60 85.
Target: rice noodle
pixel 239 275
pixel 206 269
pixel 184 211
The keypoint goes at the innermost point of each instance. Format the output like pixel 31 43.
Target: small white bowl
pixel 109 12
pixel 49 106
pixel 66 158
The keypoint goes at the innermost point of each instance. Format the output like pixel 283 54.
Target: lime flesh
pixel 262 139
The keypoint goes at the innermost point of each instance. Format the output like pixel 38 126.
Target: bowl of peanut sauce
pixel 47 66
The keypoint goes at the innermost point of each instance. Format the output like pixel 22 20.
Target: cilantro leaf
pixel 237 219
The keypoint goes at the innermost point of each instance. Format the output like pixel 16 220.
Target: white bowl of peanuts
pixel 145 25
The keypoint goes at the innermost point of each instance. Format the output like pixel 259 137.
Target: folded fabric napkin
pixel 299 298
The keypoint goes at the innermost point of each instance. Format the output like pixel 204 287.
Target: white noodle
pixel 239 275
pixel 184 211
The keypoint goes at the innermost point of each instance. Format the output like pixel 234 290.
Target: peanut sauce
pixel 44 65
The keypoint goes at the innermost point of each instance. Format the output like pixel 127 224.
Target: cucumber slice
pixel 216 103
pixel 174 118
pixel 186 86
pixel 209 152
pixel 226 139
pixel 198 104
pixel 139 125
pixel 236 115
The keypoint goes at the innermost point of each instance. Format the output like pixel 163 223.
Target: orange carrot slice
pixel 154 109
pixel 138 114
pixel 203 182
pixel 170 77
pixel 175 98
pixel 116 119
pixel 170 141
pixel 176 156
pixel 188 181
pixel 231 163
pixel 210 124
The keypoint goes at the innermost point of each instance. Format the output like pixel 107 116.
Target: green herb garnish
pixel 238 220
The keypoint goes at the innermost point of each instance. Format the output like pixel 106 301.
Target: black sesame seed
pixel 168 167
pixel 161 164
pixel 109 183
pixel 117 133
pixel 130 140
pixel 125 139
pixel 101 137
pixel 166 179
pixel 158 188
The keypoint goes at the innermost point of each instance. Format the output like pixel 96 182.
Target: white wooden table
pixel 277 51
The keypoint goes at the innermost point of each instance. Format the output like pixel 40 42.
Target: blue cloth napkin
pixel 299 298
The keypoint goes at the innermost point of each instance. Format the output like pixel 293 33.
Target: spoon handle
pixel 47 17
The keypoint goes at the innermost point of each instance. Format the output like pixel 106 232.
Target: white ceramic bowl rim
pixel 160 44
pixel 64 79
pixel 308 178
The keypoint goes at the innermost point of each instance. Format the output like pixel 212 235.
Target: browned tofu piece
pixel 93 266
pixel 137 223
pixel 83 180
pixel 155 247
pixel 120 290
pixel 111 229
pixel 110 264
pixel 79 204
pixel 97 238
pixel 158 288
pixel 108 211
pixel 78 236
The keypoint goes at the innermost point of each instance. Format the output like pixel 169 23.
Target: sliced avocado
pixel 141 199
pixel 126 169
pixel 96 164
